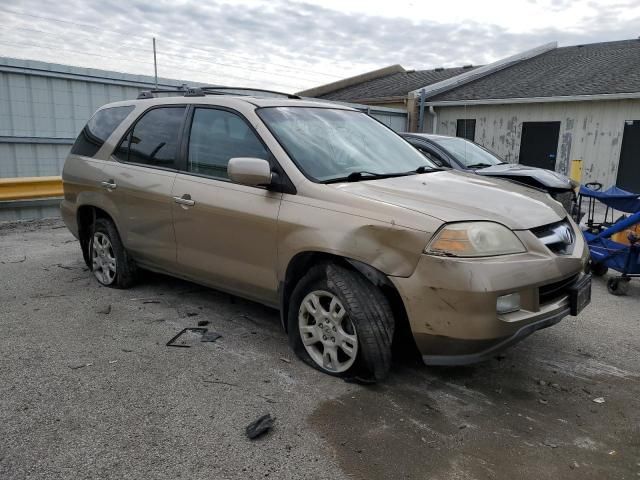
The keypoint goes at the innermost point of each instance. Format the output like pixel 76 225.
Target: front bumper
pixel 451 302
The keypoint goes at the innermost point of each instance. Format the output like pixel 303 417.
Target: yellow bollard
pixel 576 170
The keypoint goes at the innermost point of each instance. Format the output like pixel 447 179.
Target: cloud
pixel 274 44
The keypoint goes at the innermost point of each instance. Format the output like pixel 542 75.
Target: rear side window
pixel 98 129
pixel 154 138
pixel 218 136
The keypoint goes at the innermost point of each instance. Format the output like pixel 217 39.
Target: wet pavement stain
pixel 471 423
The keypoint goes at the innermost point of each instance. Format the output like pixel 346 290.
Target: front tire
pixel 341 324
pixel 599 269
pixel 618 286
pixel 108 259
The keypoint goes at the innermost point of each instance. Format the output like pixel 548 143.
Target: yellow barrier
pixel 27 188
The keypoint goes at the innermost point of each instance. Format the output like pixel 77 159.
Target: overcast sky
pixel 291 45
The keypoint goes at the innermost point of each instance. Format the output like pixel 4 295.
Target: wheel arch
pixel 86 215
pixel 301 262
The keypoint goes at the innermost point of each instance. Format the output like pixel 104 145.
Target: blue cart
pixel 607 252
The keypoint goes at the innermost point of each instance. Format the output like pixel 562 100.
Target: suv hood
pixel 457 196
pixel 545 178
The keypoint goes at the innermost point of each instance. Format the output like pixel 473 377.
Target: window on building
pixel 218 136
pixel 98 129
pixel 466 128
pixel 154 138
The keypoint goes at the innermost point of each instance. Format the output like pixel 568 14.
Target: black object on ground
pixel 203 323
pixel 171 343
pixel 260 426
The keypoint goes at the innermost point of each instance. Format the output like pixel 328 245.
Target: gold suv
pixel 326 214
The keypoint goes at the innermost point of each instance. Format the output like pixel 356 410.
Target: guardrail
pixel 30 188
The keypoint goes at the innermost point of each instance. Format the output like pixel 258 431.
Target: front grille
pixel 553 291
pixel 558 237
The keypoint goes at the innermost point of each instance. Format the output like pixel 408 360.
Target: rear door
pixel 225 232
pixel 140 182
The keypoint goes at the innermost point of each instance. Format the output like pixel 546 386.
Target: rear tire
pixel 108 259
pixel 336 309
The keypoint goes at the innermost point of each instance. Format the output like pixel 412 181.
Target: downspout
pixel 423 95
pixel 432 111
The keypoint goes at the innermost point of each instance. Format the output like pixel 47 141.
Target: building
pixel 44 106
pixel 544 107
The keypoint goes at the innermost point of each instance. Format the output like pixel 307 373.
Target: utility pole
pixel 155 63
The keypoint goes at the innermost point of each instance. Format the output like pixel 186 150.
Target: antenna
pixel 155 63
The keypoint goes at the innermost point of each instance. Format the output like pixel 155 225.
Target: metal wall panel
pixel 589 131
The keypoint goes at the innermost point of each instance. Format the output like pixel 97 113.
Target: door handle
pixel 184 200
pixel 109 184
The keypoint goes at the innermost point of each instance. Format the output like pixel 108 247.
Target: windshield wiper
pixel 479 165
pixel 365 175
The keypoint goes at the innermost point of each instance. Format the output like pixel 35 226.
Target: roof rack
pixel 211 90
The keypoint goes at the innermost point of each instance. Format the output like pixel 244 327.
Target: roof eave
pixel 561 98
pixel 377 100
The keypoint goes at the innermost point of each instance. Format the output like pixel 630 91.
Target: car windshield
pixel 332 144
pixel 468 153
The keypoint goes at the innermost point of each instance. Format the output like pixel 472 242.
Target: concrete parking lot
pixel 89 389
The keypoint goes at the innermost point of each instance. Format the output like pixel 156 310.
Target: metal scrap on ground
pixel 260 426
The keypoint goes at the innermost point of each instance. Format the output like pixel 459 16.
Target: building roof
pixel 592 69
pixel 390 82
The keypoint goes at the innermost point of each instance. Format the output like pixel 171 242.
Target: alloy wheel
pixel 103 259
pixel 327 333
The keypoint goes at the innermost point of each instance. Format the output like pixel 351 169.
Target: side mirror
pixel 250 171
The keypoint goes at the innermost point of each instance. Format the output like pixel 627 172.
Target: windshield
pixel 468 153
pixel 328 144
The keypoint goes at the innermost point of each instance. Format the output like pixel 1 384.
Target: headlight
pixel 475 239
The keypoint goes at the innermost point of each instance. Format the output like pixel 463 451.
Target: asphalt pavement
pixel 89 389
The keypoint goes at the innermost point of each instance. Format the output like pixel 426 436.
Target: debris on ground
pixel 76 367
pixel 203 323
pixel 598 400
pixel 210 336
pixel 285 360
pixel 173 341
pixel 111 362
pixel 104 310
pixel 221 382
pixel 261 426
pixel 205 336
pixel 23 259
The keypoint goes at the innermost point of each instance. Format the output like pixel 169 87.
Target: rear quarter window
pixel 98 129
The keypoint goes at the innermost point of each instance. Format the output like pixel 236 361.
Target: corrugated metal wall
pixel 589 131
pixel 44 106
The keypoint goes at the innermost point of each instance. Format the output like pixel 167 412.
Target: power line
pixel 93 27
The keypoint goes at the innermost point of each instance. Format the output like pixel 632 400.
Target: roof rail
pixel 210 90
pixel 214 88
